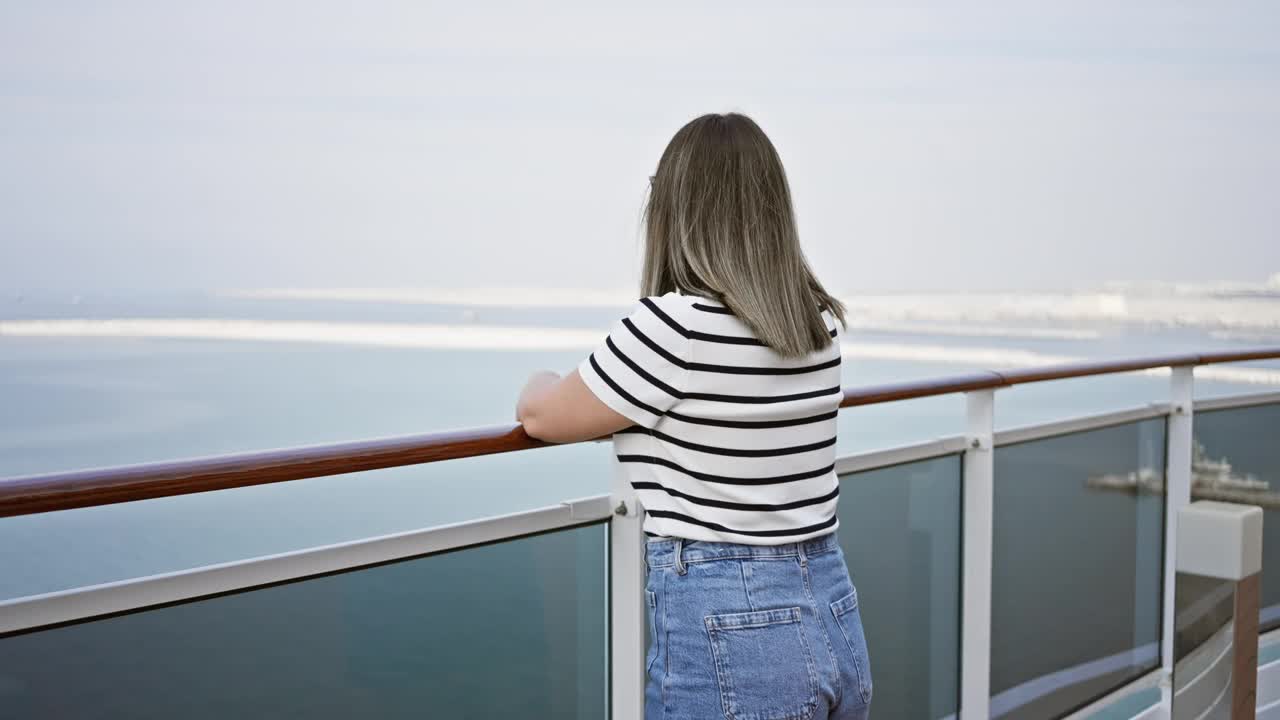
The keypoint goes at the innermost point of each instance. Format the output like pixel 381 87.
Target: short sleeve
pixel 640 369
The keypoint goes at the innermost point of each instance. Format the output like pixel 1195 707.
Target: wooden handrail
pixel 911 390
pixel 86 488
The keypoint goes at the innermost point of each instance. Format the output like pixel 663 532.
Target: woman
pixel 721 390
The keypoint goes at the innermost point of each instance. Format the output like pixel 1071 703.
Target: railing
pixel 957 658
pixel 86 488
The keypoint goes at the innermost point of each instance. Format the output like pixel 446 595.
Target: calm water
pixel 87 395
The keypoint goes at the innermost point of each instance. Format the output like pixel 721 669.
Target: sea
pixel 112 378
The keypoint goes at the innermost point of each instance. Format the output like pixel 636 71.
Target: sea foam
pixel 1237 307
pixel 526 339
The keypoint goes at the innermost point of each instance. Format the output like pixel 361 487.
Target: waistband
pixel 662 553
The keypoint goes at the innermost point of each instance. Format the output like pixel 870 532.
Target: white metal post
pixel 1177 472
pixel 979 493
pixel 626 602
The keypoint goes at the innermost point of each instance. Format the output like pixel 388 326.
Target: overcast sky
pixel 944 145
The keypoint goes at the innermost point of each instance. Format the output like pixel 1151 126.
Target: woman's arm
pixel 563 410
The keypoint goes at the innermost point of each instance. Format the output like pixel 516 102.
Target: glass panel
pixel 900 532
pixel 1202 646
pixel 1239 461
pixel 513 629
pixel 1076 567
pixel 74 548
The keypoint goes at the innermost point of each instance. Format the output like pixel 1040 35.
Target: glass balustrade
pixel 900 533
pixel 1076 567
pixel 517 628
pixel 1237 459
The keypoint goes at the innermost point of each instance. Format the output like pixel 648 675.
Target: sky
pixel 957 146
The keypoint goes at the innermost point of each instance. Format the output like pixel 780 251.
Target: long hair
pixel 719 224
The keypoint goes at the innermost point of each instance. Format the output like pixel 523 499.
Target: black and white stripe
pixel 732 442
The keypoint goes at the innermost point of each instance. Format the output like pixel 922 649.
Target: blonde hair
pixel 719 224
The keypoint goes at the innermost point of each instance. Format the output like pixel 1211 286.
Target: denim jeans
pixel 753 632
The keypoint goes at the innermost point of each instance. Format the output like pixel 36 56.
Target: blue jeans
pixel 753 632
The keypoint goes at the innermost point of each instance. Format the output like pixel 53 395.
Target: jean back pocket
pixel 763 665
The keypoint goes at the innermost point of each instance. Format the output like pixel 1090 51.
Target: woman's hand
pixel 537 383
pixel 564 410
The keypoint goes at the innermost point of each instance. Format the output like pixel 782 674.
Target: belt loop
pixel 804 559
pixel 680 568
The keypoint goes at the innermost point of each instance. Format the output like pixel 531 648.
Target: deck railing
pixel 973 483
pixel 87 488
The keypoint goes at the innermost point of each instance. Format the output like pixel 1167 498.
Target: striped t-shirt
pixel 732 442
